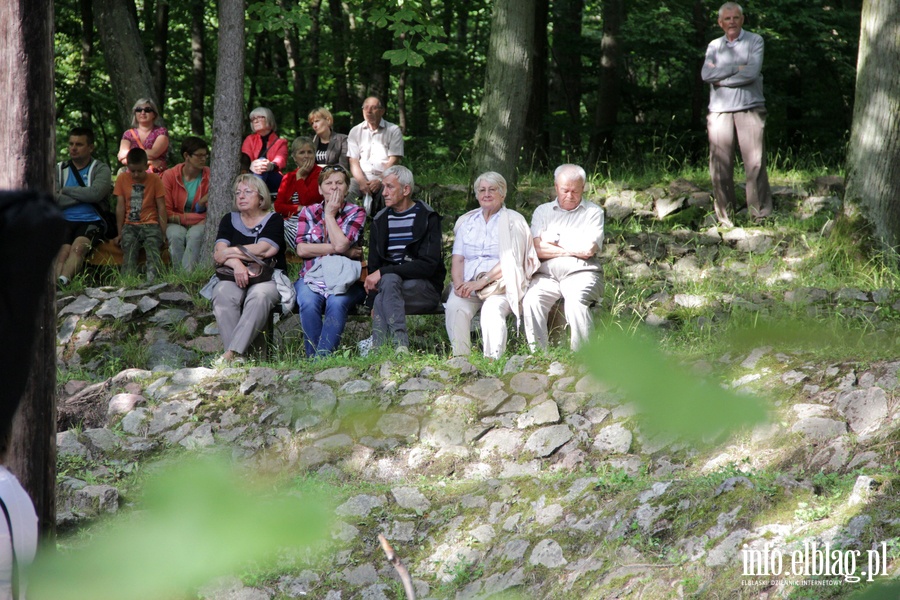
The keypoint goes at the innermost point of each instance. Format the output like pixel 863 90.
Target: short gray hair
pixel 730 6
pixel 262 111
pixel 404 176
pixel 569 172
pixel 257 185
pixel 491 177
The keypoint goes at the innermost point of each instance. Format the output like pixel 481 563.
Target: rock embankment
pixel 538 478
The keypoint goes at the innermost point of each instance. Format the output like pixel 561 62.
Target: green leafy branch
pixel 411 26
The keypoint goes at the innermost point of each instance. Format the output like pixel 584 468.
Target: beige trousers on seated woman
pixel 459 313
pixel 242 313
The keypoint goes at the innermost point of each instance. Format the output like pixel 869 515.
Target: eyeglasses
pixel 145 109
pixel 334 169
pixel 200 155
pixel 258 117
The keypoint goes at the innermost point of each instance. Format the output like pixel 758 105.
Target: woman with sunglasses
pixel 187 193
pixel 147 132
pixel 329 286
pixel 299 188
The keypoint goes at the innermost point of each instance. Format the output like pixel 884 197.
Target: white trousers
pixel 579 291
pixel 459 313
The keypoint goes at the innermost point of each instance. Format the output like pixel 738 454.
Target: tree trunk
pixel 566 53
pixel 379 70
pixel 609 91
pixel 198 69
pixel 87 48
pixel 27 126
pixel 298 94
pixel 227 118
pixel 699 146
pixel 339 46
pixel 401 100
pixel 123 51
pixel 254 70
pixel 537 141
pixel 873 180
pixel 507 89
pixel 312 39
pixel 160 49
pixel 421 114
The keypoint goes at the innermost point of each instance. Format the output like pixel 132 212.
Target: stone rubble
pixel 539 449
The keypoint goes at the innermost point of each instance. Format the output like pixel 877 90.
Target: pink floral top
pixel 134 139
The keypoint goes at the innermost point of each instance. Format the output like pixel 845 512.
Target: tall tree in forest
pixel 873 179
pixel 292 50
pixel 198 68
pixel 536 145
pixel 123 51
pixel 26 153
pixel 160 49
pixel 565 92
pixel 227 117
pixel 507 89
pixel 339 49
pixel 609 90
pixel 87 48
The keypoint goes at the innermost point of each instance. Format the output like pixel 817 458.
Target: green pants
pixel 150 237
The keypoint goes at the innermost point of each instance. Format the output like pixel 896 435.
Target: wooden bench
pixel 108 254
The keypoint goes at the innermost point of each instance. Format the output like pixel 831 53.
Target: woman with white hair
pixel 147 132
pixel 268 153
pixel 492 262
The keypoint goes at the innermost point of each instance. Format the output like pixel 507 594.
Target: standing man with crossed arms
pixel 737 106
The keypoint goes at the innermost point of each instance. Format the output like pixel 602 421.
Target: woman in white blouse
pixel 493 253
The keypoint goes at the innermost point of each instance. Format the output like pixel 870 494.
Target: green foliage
pixel 408 22
pixel 670 399
pixel 200 520
pixel 272 17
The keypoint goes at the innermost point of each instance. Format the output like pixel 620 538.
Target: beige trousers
pixel 242 313
pixel 748 127
pixel 580 291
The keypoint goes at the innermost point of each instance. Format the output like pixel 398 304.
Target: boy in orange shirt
pixel 140 213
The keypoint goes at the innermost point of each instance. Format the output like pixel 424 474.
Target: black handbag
pixel 260 269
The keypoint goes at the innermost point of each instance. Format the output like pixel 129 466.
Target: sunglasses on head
pixel 334 168
pixel 146 109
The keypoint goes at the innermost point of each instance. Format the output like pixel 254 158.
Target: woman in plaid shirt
pixel 329 286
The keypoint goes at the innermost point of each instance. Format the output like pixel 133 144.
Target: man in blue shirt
pixel 83 186
pixel 733 68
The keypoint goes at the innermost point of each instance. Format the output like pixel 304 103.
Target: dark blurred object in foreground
pixel 31 229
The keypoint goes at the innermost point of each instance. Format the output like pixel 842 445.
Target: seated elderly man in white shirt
pixel 568 235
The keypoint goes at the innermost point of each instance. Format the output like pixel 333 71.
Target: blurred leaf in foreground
pixel 201 519
pixel 671 399
pixel 879 591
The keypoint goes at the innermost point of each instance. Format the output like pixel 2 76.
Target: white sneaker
pixel 365 346
pixel 62 280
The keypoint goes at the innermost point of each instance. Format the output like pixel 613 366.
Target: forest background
pixel 616 83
